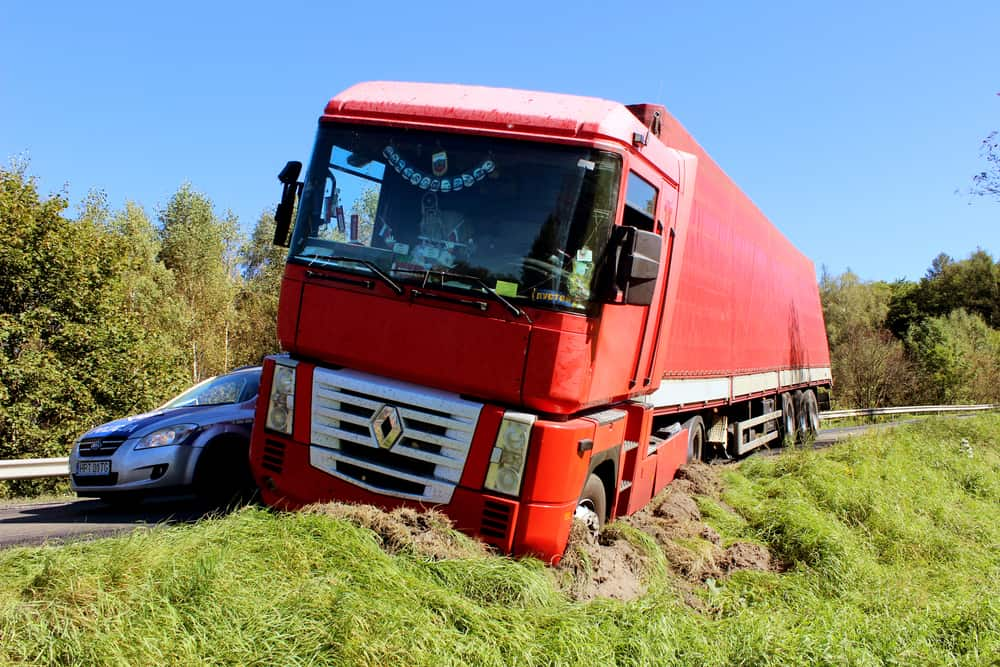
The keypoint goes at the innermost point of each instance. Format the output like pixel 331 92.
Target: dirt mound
pixel 699 479
pixel 429 533
pixel 675 506
pixel 746 556
pixel 692 548
pixel 608 568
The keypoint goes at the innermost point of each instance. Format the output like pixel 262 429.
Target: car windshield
pixel 528 220
pixel 221 390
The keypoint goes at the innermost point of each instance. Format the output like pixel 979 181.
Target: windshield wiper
pixel 371 266
pixel 475 280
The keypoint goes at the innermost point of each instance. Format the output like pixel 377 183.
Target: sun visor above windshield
pixel 487 107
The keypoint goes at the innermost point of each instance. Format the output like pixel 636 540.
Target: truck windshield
pixel 528 220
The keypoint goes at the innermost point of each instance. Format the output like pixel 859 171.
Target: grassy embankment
pixel 890 547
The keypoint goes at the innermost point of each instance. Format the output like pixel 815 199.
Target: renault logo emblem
pixel 386 426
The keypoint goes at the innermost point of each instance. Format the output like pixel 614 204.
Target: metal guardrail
pixel 38 468
pixel 906 410
pixel 33 468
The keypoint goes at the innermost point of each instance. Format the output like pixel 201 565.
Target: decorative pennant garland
pixel 425 182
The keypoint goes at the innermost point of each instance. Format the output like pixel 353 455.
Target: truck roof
pixel 496 108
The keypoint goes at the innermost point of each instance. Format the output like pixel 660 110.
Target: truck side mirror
pixel 289 177
pixel 634 264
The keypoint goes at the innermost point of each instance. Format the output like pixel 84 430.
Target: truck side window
pixel 640 203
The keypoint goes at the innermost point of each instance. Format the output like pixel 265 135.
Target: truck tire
pixel 696 438
pixel 810 409
pixel 801 420
pixel 788 417
pixel 593 505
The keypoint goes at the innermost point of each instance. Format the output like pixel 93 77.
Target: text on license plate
pixel 93 467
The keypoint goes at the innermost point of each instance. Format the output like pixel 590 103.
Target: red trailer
pixel 543 306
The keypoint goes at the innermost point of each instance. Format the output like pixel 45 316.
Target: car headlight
pixel 281 403
pixel 164 437
pixel 510 451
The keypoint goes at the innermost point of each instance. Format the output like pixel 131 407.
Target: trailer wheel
pixel 592 506
pixel 801 415
pixel 696 438
pixel 788 417
pixel 810 408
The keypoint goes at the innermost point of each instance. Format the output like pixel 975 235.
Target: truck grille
pixel 99 446
pixel 390 437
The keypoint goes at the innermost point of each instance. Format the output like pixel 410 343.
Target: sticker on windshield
pixel 505 288
pixel 551 296
pixel 586 164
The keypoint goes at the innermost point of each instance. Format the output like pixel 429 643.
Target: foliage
pixel 943 328
pixel 972 284
pixel 850 304
pixel 888 544
pixel 200 249
pixel 987 183
pixel 871 369
pixel 108 314
pixel 869 365
pixel 959 356
pixel 72 354
pixel 257 297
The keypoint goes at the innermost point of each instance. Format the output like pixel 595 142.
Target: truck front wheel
pixel 592 506
pixel 696 438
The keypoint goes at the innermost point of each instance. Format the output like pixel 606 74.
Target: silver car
pixel 197 442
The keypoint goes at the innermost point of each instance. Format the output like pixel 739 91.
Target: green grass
pixel 890 544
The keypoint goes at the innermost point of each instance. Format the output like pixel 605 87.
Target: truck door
pixel 666 222
pixel 626 331
pixel 650 203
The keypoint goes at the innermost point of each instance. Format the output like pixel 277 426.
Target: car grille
pixel 425 463
pixel 99 446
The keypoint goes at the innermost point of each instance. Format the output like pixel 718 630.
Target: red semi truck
pixel 521 308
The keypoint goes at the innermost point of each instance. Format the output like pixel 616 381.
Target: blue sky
pixel 855 126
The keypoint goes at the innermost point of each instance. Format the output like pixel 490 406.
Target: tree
pixel 869 365
pixel 849 303
pixel 987 183
pixel 972 284
pixel 870 369
pixel 73 352
pixel 200 250
pixel 958 356
pixel 257 301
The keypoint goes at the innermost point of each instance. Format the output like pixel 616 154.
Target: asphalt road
pixel 33 523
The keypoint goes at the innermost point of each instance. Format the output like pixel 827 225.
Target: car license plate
pixel 93 467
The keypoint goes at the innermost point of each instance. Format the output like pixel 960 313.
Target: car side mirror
pixel 634 264
pixel 289 177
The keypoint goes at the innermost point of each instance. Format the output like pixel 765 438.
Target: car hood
pixel 140 425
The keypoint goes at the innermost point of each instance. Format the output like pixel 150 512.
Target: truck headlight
pixel 510 451
pixel 281 403
pixel 164 437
